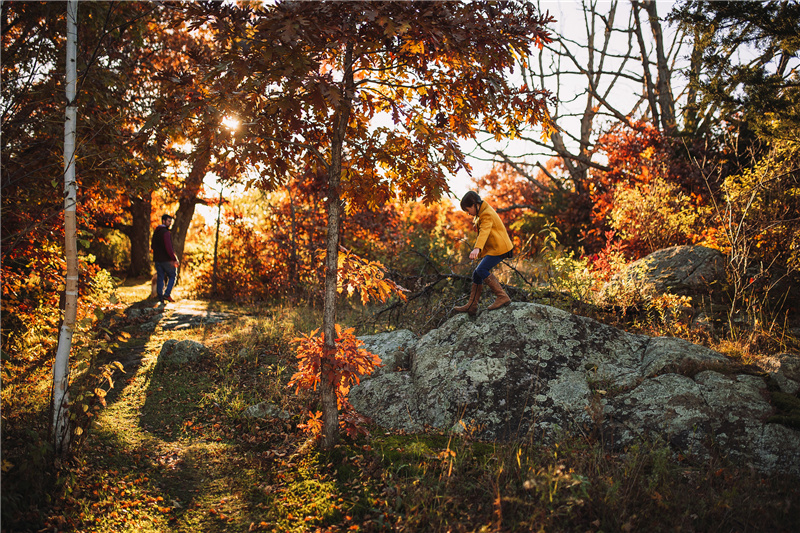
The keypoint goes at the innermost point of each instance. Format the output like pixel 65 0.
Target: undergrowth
pixel 173 451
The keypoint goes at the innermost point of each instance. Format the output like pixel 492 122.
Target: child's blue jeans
pixel 483 269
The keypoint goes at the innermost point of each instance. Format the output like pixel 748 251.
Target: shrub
pixel 348 365
pixel 655 215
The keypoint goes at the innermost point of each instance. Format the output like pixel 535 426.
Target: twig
pixel 518 274
pixel 426 289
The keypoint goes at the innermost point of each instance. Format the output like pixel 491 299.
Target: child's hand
pixel 474 253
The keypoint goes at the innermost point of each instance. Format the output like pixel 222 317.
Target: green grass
pixel 172 452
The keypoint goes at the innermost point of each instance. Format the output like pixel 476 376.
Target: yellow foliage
pixel 762 206
pixel 657 214
pixel 366 277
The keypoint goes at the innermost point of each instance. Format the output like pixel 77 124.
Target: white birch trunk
pixel 60 424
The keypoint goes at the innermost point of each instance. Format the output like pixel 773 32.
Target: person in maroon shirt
pixel 164 258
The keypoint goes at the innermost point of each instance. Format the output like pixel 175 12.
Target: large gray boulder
pixel 530 370
pixel 683 270
pixel 392 347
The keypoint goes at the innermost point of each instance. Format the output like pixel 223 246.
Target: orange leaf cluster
pixel 365 277
pixel 346 366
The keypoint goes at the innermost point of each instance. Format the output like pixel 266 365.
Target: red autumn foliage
pixel 349 362
pixel 527 205
pixel 639 160
pixel 271 249
pixel 638 157
pixel 347 365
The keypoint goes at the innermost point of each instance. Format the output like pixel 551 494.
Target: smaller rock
pixel 702 322
pixel 784 369
pixel 789 386
pixel 678 270
pixel 149 326
pixel 790 365
pixel 134 312
pixel 181 352
pixel 266 410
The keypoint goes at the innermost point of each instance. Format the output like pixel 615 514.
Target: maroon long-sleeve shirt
pixel 162 245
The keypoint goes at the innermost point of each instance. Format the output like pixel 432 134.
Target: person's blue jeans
pixel 166 270
pixel 485 266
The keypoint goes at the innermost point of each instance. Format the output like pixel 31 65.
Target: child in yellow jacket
pixel 492 246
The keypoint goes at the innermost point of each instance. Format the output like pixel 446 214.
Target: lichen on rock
pixel 533 371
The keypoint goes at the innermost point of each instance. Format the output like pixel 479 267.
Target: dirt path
pixel 166 454
pixel 144 317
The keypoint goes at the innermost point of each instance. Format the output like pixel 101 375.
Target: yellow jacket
pixel 492 236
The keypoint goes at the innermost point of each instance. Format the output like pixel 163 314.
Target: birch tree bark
pixel 60 428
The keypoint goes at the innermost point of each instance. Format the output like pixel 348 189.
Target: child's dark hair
pixel 470 199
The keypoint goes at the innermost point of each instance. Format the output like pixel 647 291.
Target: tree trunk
pixel 328 386
pixel 294 282
pixel 330 408
pixel 649 86
pixel 691 119
pixel 60 428
pixel 139 235
pixel 591 63
pixel 663 81
pixel 188 199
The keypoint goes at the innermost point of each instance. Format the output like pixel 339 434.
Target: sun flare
pixel 231 122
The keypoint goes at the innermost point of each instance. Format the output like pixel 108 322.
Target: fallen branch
pixel 423 291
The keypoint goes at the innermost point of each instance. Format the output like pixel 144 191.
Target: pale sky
pixel 570 23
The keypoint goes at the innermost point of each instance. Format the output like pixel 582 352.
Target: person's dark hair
pixel 470 199
pixel 165 216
